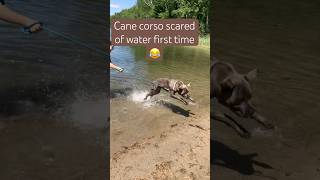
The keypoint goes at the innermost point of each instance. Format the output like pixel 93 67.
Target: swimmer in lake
pixel 113 66
pixel 29 25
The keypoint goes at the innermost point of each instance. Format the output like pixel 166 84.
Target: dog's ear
pixel 189 84
pixel 251 75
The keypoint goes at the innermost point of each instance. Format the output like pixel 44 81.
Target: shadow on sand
pixel 176 109
pixel 222 155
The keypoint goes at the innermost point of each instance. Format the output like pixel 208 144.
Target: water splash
pixel 137 96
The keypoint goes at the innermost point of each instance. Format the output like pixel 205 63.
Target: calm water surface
pixel 53 93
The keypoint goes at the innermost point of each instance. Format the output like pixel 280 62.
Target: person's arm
pixel 113 66
pixel 10 16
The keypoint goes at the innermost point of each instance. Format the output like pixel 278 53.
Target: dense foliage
pixel 169 9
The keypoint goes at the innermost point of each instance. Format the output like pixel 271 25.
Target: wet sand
pixel 281 39
pixel 53 94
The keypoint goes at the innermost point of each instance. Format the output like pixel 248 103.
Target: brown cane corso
pixel 233 90
pixel 173 86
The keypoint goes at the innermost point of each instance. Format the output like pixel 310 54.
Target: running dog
pixel 233 90
pixel 173 86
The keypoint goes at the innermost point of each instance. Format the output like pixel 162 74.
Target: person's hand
pixel 32 26
pixel 112 66
pixel 118 68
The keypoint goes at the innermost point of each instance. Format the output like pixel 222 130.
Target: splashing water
pixel 138 97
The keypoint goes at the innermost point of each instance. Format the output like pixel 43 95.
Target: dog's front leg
pixel 233 124
pixel 262 120
pixel 180 99
pixel 256 116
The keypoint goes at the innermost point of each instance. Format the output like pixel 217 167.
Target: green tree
pixel 144 10
pixel 164 9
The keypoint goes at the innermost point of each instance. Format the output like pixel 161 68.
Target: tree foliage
pixel 165 9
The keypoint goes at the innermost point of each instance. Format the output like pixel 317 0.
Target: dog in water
pixel 173 86
pixel 233 90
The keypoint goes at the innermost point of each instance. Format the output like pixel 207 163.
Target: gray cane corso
pixel 173 86
pixel 233 90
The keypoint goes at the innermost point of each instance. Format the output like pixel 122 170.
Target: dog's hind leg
pixel 153 92
pixel 145 98
pixel 262 120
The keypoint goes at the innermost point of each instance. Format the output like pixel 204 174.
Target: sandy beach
pixel 180 151
pixel 159 138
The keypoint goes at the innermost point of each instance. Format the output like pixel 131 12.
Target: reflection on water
pixel 133 118
pixel 53 93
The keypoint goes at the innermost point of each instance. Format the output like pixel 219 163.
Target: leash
pixel 76 41
pixel 81 43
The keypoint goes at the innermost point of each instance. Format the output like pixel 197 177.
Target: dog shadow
pixel 224 156
pixel 176 109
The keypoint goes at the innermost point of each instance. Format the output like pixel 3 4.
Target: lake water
pixel 53 93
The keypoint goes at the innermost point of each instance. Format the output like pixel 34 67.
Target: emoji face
pixel 154 53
